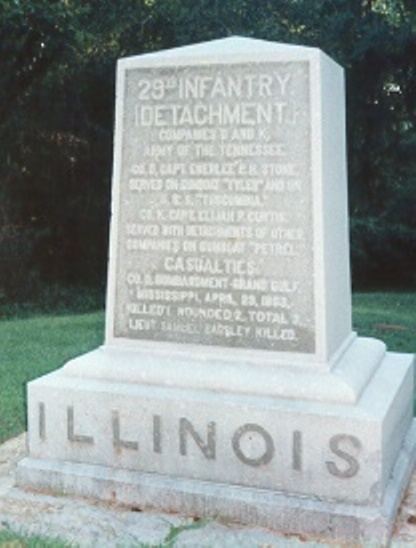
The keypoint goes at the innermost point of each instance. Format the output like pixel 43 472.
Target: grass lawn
pixel 390 317
pixel 11 539
pixel 32 347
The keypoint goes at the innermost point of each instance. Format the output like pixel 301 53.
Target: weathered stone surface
pixel 322 518
pixel 230 209
pixel 230 383
pixel 333 451
pixel 235 371
pixel 86 522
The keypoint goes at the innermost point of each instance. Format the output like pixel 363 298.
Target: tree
pixel 375 40
pixel 57 61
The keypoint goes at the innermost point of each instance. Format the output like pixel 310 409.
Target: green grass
pixel 390 317
pixel 11 539
pixel 31 347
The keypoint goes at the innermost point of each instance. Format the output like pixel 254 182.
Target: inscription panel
pixel 270 448
pixel 215 231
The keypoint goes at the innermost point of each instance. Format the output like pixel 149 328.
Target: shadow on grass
pixel 55 300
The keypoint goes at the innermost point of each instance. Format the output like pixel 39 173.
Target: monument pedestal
pixel 230 383
pixel 300 465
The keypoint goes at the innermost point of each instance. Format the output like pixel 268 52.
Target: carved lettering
pixel 42 421
pixel 119 443
pixel 251 444
pixel 157 434
pixel 207 448
pixel 71 436
pixel 342 445
pixel 297 448
pixel 215 246
pixel 252 432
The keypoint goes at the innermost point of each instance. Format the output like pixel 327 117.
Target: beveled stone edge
pixel 199 370
pixel 249 506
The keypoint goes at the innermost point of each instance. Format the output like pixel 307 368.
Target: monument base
pixel 244 505
pixel 329 469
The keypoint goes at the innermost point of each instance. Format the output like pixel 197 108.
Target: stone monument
pixel 230 383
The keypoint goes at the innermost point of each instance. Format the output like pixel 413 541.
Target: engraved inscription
pixel 157 435
pixel 215 228
pixel 250 444
pixel 207 448
pixel 42 421
pixel 119 443
pixel 247 436
pixel 340 445
pixel 71 435
pixel 297 451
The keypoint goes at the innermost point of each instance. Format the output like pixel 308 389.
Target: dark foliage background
pixel 57 68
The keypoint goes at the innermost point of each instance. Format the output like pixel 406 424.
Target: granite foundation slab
pixel 339 469
pixel 259 507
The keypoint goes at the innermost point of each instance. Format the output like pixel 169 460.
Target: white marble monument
pixel 230 383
